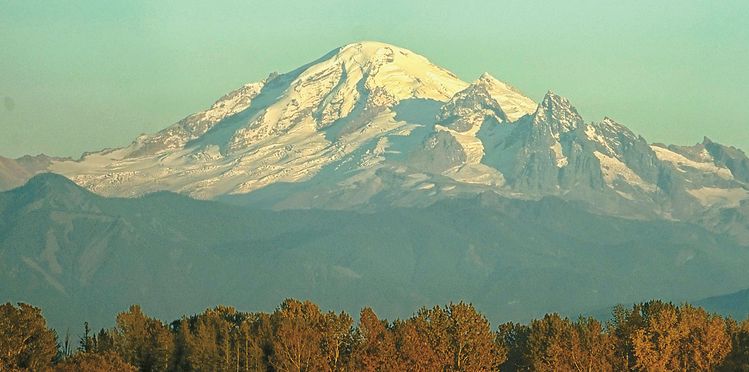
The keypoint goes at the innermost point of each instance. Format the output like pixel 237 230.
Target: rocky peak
pixel 558 113
pixel 611 135
pixel 470 108
pixel 52 190
pixel 730 157
pixel 513 102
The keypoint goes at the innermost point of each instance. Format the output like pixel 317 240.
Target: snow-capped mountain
pixel 512 204
pixel 373 124
pixel 283 129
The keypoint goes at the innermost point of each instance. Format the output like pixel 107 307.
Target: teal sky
pixel 83 75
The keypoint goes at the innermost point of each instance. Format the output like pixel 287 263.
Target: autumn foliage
pixel 299 336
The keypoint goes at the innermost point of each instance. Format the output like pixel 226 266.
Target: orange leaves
pixel 298 336
pixel 681 338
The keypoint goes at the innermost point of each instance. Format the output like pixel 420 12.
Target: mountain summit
pixel 371 124
pixel 351 107
pixel 399 72
pixel 472 190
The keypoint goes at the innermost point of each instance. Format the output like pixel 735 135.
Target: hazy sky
pixel 82 75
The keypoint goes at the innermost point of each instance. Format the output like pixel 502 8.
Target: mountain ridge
pixel 371 123
pixel 83 257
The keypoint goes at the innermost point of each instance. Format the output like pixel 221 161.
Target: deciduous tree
pixel 142 341
pixel 375 346
pixel 296 337
pixel 94 362
pixel 25 341
pixel 471 340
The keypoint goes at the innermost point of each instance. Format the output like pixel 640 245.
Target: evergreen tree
pixel 104 341
pixel 86 342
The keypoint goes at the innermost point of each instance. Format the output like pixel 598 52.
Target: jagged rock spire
pixel 557 112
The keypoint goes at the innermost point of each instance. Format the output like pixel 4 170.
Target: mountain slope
pixel 283 129
pixel 15 172
pixel 84 257
pixel 363 109
pixel 376 178
pixel 734 304
pixel 372 125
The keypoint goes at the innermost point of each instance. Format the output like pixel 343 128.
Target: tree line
pixel 299 336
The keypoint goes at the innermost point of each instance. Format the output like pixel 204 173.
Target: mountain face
pixel 15 172
pixel 735 305
pixel 371 125
pixel 286 128
pixel 84 257
pixel 471 191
